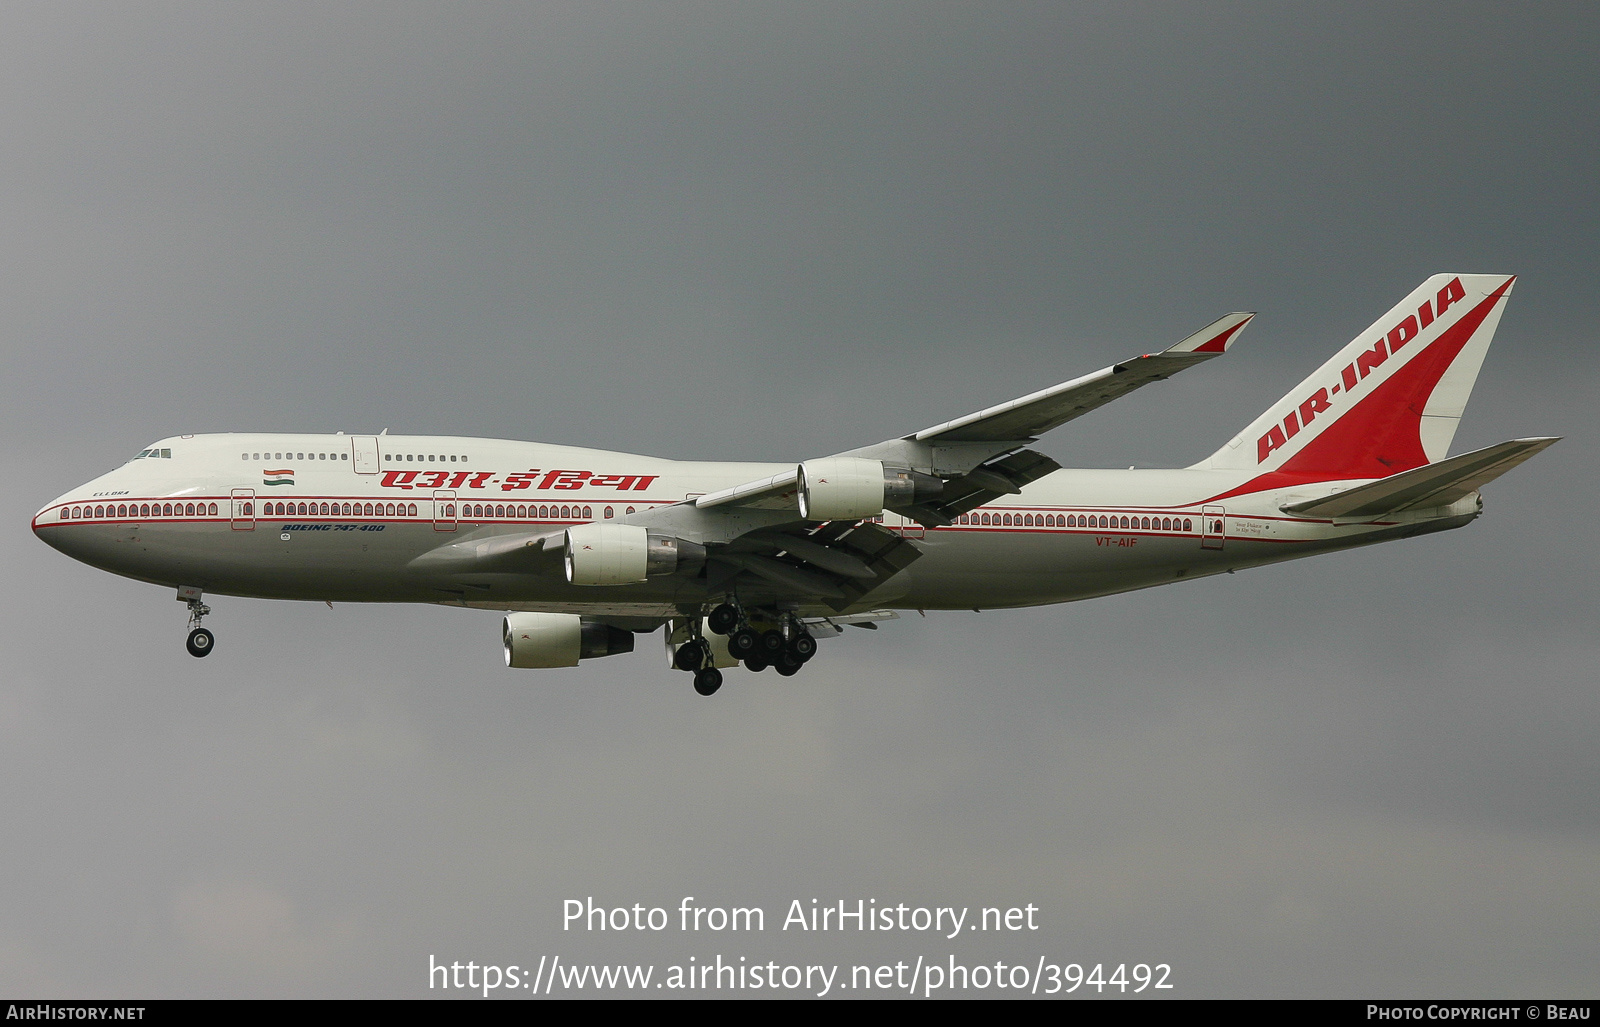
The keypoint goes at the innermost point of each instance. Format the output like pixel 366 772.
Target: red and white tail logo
pixel 1389 401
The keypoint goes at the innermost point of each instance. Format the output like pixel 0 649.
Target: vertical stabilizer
pixel 1389 401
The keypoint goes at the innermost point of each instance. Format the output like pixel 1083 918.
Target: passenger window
pixel 608 513
pixel 411 510
pixel 244 456
pixel 588 513
pixel 629 510
pixel 452 459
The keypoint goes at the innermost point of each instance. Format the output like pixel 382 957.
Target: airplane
pixel 750 563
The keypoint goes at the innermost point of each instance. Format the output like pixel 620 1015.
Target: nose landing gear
pixel 200 641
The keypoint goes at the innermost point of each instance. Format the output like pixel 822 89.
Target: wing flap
pixel 1436 484
pixel 984 484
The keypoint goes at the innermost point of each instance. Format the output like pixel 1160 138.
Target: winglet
pixel 1215 337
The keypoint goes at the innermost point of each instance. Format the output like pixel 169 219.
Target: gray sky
pixel 770 231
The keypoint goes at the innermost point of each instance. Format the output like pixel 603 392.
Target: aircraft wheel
pixel 723 619
pixel 690 656
pixel 787 665
pixel 803 646
pixel 743 643
pixel 707 681
pixel 755 662
pixel 772 642
pixel 200 642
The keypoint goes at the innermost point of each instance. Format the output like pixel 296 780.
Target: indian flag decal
pixel 278 478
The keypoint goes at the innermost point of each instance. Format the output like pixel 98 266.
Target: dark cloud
pixel 767 231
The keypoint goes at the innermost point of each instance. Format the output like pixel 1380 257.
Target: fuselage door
pixel 444 510
pixel 244 509
pixel 1213 527
pixel 365 454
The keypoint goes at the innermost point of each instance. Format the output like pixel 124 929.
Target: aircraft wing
pixel 1004 429
pixel 1035 414
pixel 838 563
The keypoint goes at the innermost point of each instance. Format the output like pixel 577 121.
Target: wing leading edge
pixel 1033 415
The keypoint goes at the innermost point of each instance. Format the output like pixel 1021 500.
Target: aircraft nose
pixel 48 517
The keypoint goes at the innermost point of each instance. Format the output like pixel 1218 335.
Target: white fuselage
pixel 343 518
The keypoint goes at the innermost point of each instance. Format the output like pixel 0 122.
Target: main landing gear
pixel 786 646
pixel 707 680
pixel 695 655
pixel 200 641
pixel 758 638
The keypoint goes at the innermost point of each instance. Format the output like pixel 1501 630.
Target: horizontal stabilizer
pixel 1437 484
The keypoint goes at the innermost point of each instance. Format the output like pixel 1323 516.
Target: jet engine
pixel 848 488
pixel 625 554
pixel 560 639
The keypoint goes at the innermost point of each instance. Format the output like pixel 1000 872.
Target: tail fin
pixel 1389 401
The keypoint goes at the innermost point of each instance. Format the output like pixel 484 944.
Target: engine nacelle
pixel 668 555
pixel 626 554
pixel 560 639
pixel 848 488
pixel 841 488
pixel 607 554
